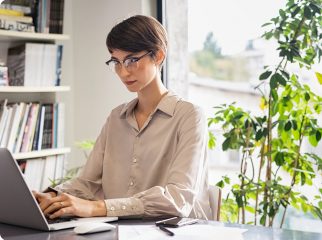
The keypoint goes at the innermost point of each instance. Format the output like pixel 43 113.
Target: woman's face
pixel 136 70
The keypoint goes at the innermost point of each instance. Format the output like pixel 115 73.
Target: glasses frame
pixel 127 62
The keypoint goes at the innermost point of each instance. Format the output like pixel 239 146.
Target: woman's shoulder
pixel 187 107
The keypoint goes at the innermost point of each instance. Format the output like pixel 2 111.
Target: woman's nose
pixel 123 72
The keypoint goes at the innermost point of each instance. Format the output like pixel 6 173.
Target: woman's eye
pixel 132 60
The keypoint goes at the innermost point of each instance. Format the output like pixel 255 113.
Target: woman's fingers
pixel 49 204
pixel 62 212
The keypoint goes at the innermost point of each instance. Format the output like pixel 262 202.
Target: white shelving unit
pixel 42 153
pixel 6 35
pixel 17 93
pixel 21 89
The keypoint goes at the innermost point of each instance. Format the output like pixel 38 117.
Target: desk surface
pixel 8 232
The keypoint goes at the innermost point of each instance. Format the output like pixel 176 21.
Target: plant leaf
pixel 265 75
pixel 318 136
pixel 319 77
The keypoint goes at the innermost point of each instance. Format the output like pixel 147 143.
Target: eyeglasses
pixel 130 63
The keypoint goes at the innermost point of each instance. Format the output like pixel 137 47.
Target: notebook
pixel 18 205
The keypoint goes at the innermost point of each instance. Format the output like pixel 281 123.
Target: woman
pixel 150 157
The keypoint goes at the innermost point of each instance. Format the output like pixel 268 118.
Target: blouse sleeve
pixel 88 185
pixel 178 196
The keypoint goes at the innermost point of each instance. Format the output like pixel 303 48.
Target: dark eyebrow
pixel 126 57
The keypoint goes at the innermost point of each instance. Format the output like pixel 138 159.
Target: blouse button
pixel 123 207
pixel 112 208
pixel 134 160
pixel 131 183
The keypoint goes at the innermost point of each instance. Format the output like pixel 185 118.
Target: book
pixel 26 10
pixel 48 127
pixel 34 64
pixel 56 16
pixel 30 125
pixel 22 128
pixel 33 127
pixel 48 172
pixel 17 118
pixel 59 171
pixel 3 117
pixel 13 25
pixel 36 134
pixel 3 75
pixel 60 125
pixel 7 126
pixel 10 12
pixel 41 128
pixel 22 19
pixel 34 173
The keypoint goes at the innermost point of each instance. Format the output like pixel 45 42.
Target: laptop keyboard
pixel 59 220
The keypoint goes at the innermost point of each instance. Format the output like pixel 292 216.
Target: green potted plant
pixel 272 143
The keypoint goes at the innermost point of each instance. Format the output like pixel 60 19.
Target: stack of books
pixel 16 18
pixel 43 16
pixel 35 64
pixel 26 127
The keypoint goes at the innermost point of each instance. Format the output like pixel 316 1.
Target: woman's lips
pixel 130 82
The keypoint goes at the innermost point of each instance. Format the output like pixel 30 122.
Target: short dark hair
pixel 137 33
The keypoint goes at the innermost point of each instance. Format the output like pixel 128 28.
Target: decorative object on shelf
pixel 272 143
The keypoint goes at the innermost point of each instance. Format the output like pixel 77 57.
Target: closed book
pixel 59 172
pixel 33 127
pixel 22 19
pixel 13 25
pixel 48 127
pixel 17 118
pixel 34 64
pixel 6 131
pixel 60 125
pixel 10 12
pixel 26 10
pixel 3 117
pixel 22 129
pixel 10 123
pixel 31 122
pixel 49 172
pixel 34 173
pixel 41 128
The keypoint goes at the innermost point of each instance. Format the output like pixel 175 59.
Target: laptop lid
pixel 18 205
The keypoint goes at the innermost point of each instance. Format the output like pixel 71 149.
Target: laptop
pixel 18 205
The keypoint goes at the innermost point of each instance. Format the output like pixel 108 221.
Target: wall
pixel 95 90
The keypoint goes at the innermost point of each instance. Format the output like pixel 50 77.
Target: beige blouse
pixel 160 169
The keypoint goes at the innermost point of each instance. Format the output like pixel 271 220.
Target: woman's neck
pixel 150 97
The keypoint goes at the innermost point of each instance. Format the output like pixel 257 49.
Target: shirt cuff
pixel 124 207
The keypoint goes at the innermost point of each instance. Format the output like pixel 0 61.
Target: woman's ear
pixel 159 57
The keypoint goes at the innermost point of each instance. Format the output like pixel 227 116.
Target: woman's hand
pixel 65 204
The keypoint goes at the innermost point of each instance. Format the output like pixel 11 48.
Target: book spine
pixel 16 26
pixel 23 19
pixel 10 12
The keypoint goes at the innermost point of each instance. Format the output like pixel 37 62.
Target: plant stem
pixel 258 180
pixel 242 172
pixel 296 162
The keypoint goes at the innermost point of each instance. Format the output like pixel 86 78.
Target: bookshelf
pixel 48 158
pixel 21 89
pixel 42 153
pixel 6 35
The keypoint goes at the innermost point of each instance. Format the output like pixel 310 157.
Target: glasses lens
pixel 111 66
pixel 131 64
